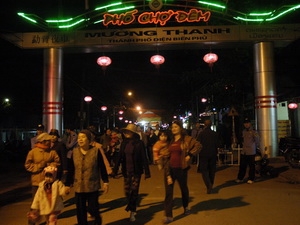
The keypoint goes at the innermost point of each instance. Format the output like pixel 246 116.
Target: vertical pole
pixel 114 116
pixel 266 97
pixel 53 89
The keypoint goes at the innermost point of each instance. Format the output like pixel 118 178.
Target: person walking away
pixel 38 158
pixel 182 147
pixel 48 200
pixel 89 169
pixel 105 142
pixel 249 144
pixel 195 133
pixel 61 150
pixel 208 156
pixel 134 163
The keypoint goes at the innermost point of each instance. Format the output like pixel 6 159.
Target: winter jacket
pixel 210 142
pixel 41 201
pixel 250 141
pixel 190 147
pixel 140 161
pixel 37 159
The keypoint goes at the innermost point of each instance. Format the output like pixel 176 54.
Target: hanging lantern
pixel 157 60
pixel 210 58
pixel 293 105
pixel 103 108
pixel 103 61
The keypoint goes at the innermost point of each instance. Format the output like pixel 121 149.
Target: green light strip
pixel 107 6
pixel 26 17
pixel 121 9
pixel 247 19
pixel 284 12
pixel 59 21
pixel 212 4
pixel 267 19
pixel 260 14
pixel 266 16
pixel 99 21
pixel 71 25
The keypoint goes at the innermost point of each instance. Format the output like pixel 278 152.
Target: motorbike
pixel 290 149
pixel 262 166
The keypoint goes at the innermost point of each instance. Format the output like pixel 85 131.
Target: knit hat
pixel 43 137
pixel 52 170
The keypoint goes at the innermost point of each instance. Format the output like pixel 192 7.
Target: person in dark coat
pixel 61 150
pixel 133 160
pixel 208 155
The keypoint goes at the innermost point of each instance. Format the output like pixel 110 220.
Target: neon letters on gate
pixel 158 17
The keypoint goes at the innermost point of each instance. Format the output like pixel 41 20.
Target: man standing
pixel 208 155
pixel 250 143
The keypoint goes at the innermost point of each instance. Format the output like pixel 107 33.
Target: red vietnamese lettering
pixel 124 18
pixel 193 15
pixel 158 17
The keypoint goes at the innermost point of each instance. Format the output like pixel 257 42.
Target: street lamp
pixel 88 99
pixel 104 108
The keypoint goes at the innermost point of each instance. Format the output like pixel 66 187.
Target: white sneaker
pixel 250 182
pixel 132 216
pixel 238 181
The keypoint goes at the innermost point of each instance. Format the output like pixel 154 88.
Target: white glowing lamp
pixel 104 61
pixel 88 99
pixel 157 60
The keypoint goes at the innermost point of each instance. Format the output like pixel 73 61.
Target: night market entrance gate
pixel 262 38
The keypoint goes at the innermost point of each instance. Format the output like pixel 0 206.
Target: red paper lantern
pixel 210 58
pixel 157 60
pixel 104 108
pixel 293 105
pixel 104 61
pixel 88 99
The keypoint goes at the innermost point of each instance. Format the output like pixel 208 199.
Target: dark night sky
pixel 184 70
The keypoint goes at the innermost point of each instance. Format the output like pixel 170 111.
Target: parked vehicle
pixel 289 147
pixel 262 165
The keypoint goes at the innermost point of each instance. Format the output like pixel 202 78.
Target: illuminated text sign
pixel 161 18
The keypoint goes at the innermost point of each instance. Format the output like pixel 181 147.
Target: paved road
pixel 273 201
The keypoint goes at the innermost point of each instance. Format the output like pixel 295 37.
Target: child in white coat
pixel 48 199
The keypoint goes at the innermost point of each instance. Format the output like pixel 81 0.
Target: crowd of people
pixel 85 159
